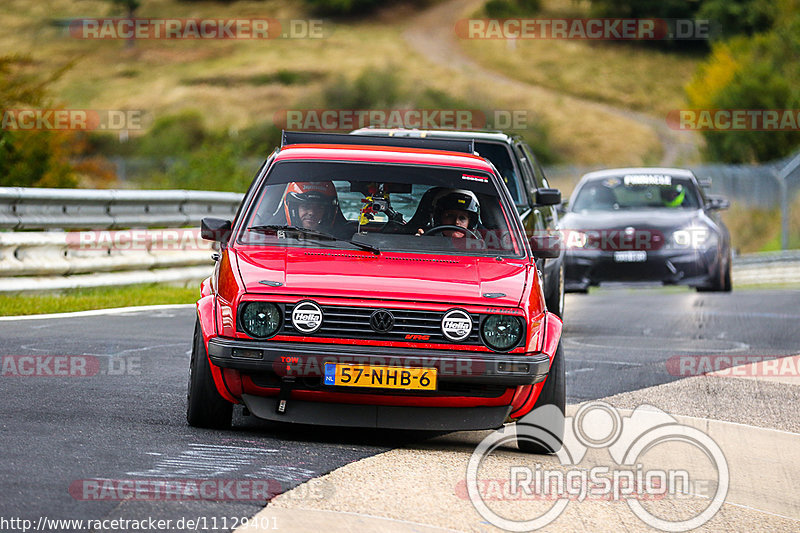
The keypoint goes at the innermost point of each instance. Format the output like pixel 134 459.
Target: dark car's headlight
pixel 260 319
pixel 501 332
pixel 694 236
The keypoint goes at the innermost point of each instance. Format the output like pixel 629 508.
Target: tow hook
pixel 286 389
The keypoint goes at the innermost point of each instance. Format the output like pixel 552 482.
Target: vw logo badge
pixel 307 317
pixel 381 321
pixel 456 324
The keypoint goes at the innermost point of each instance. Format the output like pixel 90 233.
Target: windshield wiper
pixel 314 233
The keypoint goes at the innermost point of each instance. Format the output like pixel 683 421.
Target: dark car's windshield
pixel 633 191
pixel 386 206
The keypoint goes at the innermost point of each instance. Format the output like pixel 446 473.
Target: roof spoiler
pixel 466 146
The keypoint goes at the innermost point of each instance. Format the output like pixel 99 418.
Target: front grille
pixel 353 323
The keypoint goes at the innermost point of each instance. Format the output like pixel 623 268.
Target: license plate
pixel 630 256
pixel 380 377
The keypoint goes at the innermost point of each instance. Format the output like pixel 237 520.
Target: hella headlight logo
pixel 456 325
pixel 307 317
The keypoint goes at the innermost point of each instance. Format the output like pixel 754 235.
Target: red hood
pixel 354 274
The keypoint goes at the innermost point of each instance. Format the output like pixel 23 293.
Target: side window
pixel 538 173
pixel 498 155
pixel 527 172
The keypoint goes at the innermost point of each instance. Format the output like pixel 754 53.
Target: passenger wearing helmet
pixel 673 196
pixel 455 207
pixel 311 205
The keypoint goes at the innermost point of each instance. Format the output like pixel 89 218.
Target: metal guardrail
pixel 57 260
pixel 763 258
pixel 767 268
pixel 31 208
pixel 108 256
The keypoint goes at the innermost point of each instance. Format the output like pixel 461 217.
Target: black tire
pixel 205 408
pixel 555 300
pixel 551 426
pixel 721 280
pixel 727 284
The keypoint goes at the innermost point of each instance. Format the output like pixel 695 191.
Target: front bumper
pixel 585 268
pixel 379 416
pixel 307 360
pixel 292 372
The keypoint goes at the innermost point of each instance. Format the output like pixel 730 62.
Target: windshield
pixel 636 191
pixel 384 206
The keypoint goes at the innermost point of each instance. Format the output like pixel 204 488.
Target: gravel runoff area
pixel 422 487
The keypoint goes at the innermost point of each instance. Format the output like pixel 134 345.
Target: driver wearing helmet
pixel 311 205
pixel 455 207
pixel 673 196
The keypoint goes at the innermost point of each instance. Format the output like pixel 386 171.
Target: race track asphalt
pixel 126 422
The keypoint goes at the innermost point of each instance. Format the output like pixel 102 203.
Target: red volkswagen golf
pixel 375 282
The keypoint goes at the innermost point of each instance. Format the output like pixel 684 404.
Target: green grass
pixel 96 298
pixel 240 83
pixel 618 73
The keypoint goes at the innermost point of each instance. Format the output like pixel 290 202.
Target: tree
pixel 759 73
pixel 31 158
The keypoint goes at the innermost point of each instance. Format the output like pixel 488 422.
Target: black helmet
pixel 456 199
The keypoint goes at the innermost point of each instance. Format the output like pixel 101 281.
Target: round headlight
pixel 260 319
pixel 501 332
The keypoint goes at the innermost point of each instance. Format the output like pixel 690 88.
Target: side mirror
pixel 546 245
pixel 548 197
pixel 215 229
pixel 562 207
pixel 717 203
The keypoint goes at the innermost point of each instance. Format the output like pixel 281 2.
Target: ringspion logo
pixel 642 467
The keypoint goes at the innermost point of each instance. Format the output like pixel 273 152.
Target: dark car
pixel 645 224
pixel 339 300
pixel 535 201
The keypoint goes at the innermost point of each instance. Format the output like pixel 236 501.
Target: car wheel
pixel 205 408
pixel 549 425
pixel 717 281
pixel 555 301
pixel 727 284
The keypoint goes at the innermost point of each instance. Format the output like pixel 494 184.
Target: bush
pixel 644 8
pixel 344 7
pixel 739 17
pixel 32 158
pixel 173 135
pixel 511 8
pixel 759 72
